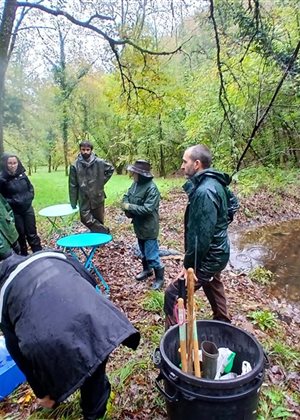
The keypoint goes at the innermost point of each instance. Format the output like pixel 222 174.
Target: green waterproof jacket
pixel 143 198
pixel 87 180
pixel 206 222
pixel 8 232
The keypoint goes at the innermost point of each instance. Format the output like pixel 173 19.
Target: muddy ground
pixel 133 374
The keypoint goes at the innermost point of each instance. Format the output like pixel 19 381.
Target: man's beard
pixel 86 156
pixel 190 174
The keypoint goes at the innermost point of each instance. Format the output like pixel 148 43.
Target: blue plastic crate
pixel 10 374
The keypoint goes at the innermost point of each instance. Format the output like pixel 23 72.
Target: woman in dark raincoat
pixel 59 330
pixel 17 189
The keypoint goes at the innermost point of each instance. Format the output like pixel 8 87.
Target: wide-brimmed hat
pixel 141 167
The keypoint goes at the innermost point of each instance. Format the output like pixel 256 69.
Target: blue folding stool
pixel 87 240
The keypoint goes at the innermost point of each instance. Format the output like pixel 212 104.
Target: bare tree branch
pixel 15 32
pixel 222 89
pixel 6 28
pixel 259 123
pixel 88 25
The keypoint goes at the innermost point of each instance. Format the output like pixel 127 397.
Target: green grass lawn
pixel 52 188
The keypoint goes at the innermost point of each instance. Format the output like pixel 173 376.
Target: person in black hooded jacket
pixel 18 191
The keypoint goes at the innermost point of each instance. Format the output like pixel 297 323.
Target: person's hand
pixel 125 206
pixel 46 402
pixel 183 274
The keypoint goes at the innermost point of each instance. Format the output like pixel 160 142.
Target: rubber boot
pixel 36 248
pixel 23 251
pixel 159 278
pixel 16 247
pixel 147 271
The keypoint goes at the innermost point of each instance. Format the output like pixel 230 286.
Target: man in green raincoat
pixel 206 239
pixel 88 175
pixel 8 232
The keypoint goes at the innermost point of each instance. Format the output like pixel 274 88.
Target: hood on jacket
pixel 222 177
pixel 88 162
pixel 20 169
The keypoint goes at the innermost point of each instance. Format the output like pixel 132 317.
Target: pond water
pixel 277 248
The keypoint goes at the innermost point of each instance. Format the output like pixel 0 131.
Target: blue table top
pixel 58 210
pixel 80 240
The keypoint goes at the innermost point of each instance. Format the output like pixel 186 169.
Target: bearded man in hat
pixel 141 204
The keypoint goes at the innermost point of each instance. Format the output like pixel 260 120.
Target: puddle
pixel 277 248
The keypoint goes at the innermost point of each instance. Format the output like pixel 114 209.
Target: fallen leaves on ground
pixel 134 392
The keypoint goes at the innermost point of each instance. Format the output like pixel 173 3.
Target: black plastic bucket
pixel 191 398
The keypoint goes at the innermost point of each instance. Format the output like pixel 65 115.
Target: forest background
pixel 148 78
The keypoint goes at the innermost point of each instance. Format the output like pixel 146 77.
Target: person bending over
pixel 59 330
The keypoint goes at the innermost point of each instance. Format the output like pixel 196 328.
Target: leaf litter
pixel 134 395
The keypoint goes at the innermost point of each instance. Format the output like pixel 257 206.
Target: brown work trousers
pixel 214 291
pixel 94 219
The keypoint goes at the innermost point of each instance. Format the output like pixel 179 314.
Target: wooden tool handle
pixel 182 334
pixel 190 319
pixel 196 352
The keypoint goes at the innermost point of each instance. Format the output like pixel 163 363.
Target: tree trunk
pixel 119 168
pixel 49 163
pixel 162 168
pixel 65 127
pixel 2 78
pixel 85 122
pixel 6 29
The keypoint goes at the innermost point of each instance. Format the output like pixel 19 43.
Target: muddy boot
pixel 23 251
pixel 147 271
pixel 16 247
pixel 36 248
pixel 159 278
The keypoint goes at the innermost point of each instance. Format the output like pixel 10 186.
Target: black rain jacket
pixel 57 328
pixel 17 188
